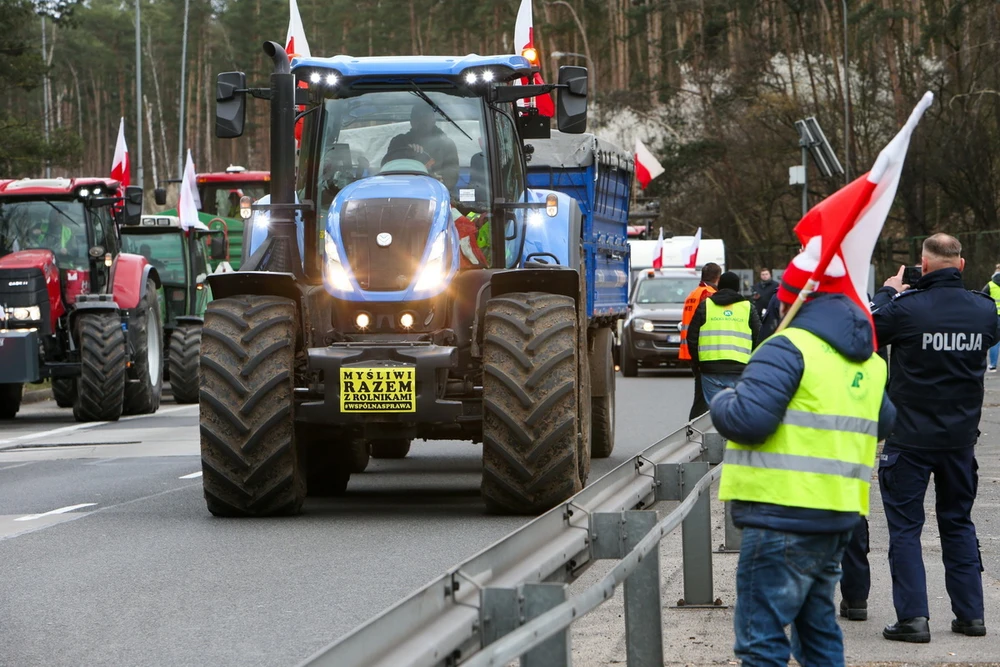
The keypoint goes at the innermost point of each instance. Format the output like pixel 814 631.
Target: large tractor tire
pixel 142 395
pixel 10 399
pixel 100 391
pixel 251 457
pixel 396 448
pixel 182 362
pixel 64 391
pixel 328 467
pixel 602 408
pixel 530 402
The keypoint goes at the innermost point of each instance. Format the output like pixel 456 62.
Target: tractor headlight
pixel 335 270
pixel 26 314
pixel 434 271
pixel 640 324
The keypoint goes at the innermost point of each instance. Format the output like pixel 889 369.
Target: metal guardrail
pixel 509 600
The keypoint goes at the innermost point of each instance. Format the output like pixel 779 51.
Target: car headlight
pixel 25 314
pixel 335 270
pixel 434 272
pixel 640 324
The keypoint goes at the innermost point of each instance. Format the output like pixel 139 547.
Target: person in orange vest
pixel 707 287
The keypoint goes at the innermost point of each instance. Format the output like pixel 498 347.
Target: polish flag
pixel 524 39
pixel 296 44
pixel 850 220
pixel 692 251
pixel 658 252
pixel 189 199
pixel 120 167
pixel 647 167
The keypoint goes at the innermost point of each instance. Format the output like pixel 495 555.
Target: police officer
pixel 721 336
pixel 939 333
pixel 709 281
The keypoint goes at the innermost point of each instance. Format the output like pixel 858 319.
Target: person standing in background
pixel 761 292
pixel 709 281
pixel 993 289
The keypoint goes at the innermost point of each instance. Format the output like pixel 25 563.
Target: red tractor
pixel 73 307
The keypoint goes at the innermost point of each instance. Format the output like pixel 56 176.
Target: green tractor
pixel 181 257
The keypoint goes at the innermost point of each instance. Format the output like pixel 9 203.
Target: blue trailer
pixel 412 278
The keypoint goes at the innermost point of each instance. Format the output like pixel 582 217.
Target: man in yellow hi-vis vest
pixel 993 289
pixel 721 336
pixel 802 424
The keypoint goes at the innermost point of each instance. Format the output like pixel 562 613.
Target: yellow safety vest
pixel 822 455
pixel 995 293
pixel 726 334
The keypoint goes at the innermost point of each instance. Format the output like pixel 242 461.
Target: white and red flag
pixel 850 220
pixel 658 252
pixel 524 45
pixel 647 167
pixel 691 260
pixel 120 167
pixel 296 44
pixel 189 201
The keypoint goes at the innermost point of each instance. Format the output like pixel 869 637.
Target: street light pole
pixel 847 105
pixel 180 125
pixel 138 92
pixel 586 44
pixel 45 99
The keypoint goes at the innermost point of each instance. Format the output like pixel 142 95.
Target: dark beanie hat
pixel 729 280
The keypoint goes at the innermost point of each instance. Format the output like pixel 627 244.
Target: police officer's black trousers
pixel 856 581
pixel 903 477
pixel 699 407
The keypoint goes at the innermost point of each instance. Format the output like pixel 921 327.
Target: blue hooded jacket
pixel 751 412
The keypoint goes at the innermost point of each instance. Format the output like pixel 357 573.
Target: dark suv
pixel 651 336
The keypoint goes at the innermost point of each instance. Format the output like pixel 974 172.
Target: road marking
pixel 61 510
pixel 191 476
pixel 86 425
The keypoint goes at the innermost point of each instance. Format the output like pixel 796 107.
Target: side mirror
pixel 218 250
pixel 160 196
pixel 571 102
pixel 231 104
pixel 132 211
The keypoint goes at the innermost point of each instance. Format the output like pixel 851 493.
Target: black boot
pixel 854 610
pixel 973 628
pixel 914 630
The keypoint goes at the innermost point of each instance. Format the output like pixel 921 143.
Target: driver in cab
pixel 427 143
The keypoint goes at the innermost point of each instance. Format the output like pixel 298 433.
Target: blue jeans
pixel 713 383
pixel 994 353
pixel 788 579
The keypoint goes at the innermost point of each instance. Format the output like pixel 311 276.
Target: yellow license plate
pixel 385 389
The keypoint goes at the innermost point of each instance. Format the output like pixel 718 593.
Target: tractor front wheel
pixel 530 402
pixel 182 362
pixel 395 448
pixel 251 457
pixel 100 393
pixel 142 395
pixel 10 399
pixel 64 391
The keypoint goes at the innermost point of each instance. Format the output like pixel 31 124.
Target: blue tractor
pixel 405 280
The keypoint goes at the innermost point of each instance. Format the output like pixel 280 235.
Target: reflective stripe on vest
pixel 995 293
pixel 726 334
pixel 822 454
pixel 691 304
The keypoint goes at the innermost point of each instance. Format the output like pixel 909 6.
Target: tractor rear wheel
pixel 602 408
pixel 252 461
pixel 64 391
pixel 142 395
pixel 10 399
pixel 182 362
pixel 100 391
pixel 396 448
pixel 530 402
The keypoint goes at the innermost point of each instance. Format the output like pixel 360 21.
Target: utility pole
pixel 847 105
pixel 180 132
pixel 138 93
pixel 45 100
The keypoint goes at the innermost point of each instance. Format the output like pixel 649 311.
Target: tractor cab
pixel 182 259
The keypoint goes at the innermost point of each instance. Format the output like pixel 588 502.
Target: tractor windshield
pixel 398 131
pixel 164 251
pixel 59 226
pixel 223 199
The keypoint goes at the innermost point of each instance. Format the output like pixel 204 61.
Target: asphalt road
pixel 109 557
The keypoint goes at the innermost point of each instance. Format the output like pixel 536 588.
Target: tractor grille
pixel 389 268
pixel 25 287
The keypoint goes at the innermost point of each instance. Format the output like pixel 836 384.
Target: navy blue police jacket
pixel 753 411
pixel 939 333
